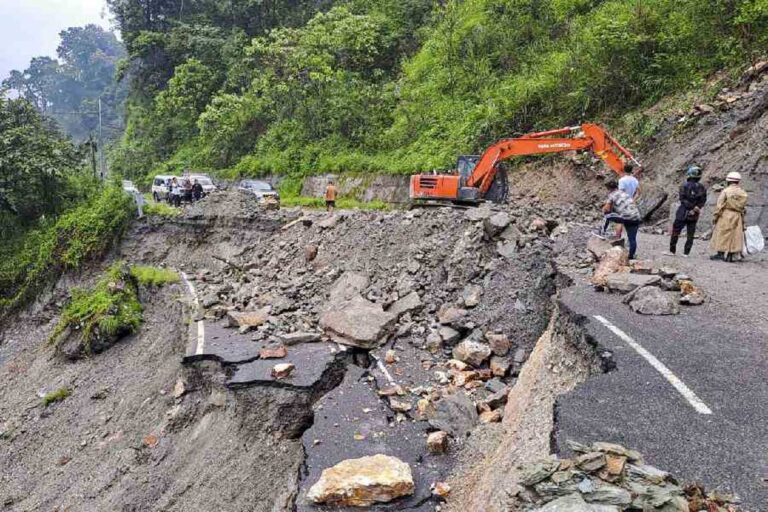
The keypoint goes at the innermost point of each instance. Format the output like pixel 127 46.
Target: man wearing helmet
pixel 728 234
pixel 693 197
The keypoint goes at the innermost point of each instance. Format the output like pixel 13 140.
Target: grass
pixel 59 395
pixel 342 203
pixel 154 276
pixel 110 309
pixel 159 209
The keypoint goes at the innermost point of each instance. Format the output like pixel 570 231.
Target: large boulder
pixel 357 322
pixel 613 260
pixel 363 482
pixel 410 302
pixel 651 300
pixel 626 282
pixel 247 319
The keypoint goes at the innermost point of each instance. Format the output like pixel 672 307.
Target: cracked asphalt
pixel 719 350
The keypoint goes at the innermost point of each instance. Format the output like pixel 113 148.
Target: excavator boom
pixel 475 186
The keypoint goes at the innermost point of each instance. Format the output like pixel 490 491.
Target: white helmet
pixel 733 176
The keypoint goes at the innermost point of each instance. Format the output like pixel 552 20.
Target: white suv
pixel 159 188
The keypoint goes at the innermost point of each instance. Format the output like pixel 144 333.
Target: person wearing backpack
pixel 728 234
pixel 693 197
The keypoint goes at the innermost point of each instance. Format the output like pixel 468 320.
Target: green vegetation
pixel 342 203
pixel 160 209
pixel 400 86
pixel 59 395
pixel 110 310
pixel 153 276
pixel 33 260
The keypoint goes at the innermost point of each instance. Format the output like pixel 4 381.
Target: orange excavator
pixel 478 178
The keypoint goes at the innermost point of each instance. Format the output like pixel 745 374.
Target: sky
pixel 30 28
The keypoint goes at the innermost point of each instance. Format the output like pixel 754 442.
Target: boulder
pixel 358 323
pixel 410 302
pixel 449 334
pixel 506 249
pixel 454 413
pixel 247 319
pixel 448 314
pixel 310 252
pixel 480 213
pixel 500 366
pixel 348 286
pixel 499 343
pixel 653 301
pixel 472 352
pixel 363 482
pixel 598 246
pixel 437 442
pixel 612 261
pixel 626 282
pixel 434 342
pixel 575 503
pixel 329 222
pixel 471 295
pixel 496 223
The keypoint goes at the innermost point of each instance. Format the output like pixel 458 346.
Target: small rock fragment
pixel 437 442
pixel 282 371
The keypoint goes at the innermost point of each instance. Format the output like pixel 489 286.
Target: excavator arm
pixel 588 136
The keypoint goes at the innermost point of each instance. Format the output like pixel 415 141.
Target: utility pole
pixel 92 145
pixel 101 145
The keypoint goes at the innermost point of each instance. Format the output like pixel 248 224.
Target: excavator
pixel 478 178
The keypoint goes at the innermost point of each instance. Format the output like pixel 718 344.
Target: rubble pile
pixel 647 289
pixel 606 477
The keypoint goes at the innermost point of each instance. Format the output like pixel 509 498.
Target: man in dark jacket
pixel 693 197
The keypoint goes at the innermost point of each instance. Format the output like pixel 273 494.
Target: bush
pixel 59 395
pixel 160 209
pixel 108 311
pixel 154 276
pixel 30 263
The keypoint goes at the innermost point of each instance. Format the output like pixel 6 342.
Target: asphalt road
pixel 718 350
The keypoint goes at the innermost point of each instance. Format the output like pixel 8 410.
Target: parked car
pixel 261 189
pixel 205 181
pixel 159 188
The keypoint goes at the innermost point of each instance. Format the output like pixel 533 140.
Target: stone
pixel 437 442
pixel 390 357
pixel 538 224
pixel 506 249
pixel 434 342
pixel 472 352
pixel 441 489
pixel 448 314
pixel 448 334
pixel 273 352
pixel 615 464
pixel 667 272
pixel 690 294
pixel 348 286
pixel 179 389
pixel 310 252
pixel 407 304
pixel 363 482
pixel 358 323
pixel 454 413
pixel 282 371
pixel 647 473
pixel 520 356
pixel 598 246
pixel 399 406
pixel 471 295
pixel 294 338
pixel 495 401
pixel 535 472
pixel 606 494
pixel 499 343
pixel 329 222
pixel 612 261
pixel 591 461
pixel 511 234
pixel 575 503
pixel 480 213
pixel 496 223
pixel 248 319
pixel 500 366
pixel 642 267
pixel 626 282
pixel 491 416
pixel 650 300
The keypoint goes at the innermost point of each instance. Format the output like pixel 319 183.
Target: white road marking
pixel 679 385
pixel 200 324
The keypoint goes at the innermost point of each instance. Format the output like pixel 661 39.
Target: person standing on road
pixel 330 196
pixel 728 235
pixel 630 186
pixel 619 208
pixel 175 193
pixel 693 197
pixel 197 191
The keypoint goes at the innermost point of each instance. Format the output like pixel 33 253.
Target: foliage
pixel 404 86
pixel 344 203
pixel 153 276
pixel 30 262
pixel 110 309
pixel 59 395
pixel 68 90
pixel 160 209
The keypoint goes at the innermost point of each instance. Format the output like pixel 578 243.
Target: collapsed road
pixel 309 340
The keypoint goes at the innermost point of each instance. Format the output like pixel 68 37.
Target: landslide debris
pixel 607 477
